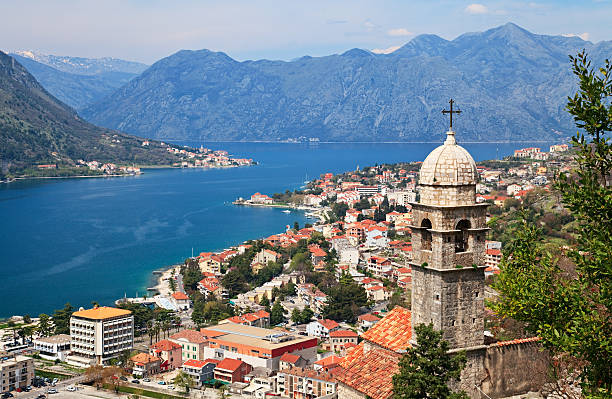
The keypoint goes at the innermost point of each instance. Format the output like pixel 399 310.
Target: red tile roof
pixel 372 373
pixel 343 334
pixel 144 358
pixel 393 331
pixel 193 336
pixel 181 296
pixel 289 358
pixel 329 361
pixel 229 364
pixel 329 324
pixel 517 341
pixel 369 317
pixel 165 345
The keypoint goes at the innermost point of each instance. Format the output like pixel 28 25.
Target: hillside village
pixel 316 311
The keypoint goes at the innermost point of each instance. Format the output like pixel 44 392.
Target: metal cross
pixel 451 112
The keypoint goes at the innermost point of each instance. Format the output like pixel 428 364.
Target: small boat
pixel 286 211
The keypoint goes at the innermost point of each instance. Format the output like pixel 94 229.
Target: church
pixel 448 290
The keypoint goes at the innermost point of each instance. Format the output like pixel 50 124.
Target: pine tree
pixel 277 314
pixel 426 370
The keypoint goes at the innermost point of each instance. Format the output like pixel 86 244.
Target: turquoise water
pixel 83 240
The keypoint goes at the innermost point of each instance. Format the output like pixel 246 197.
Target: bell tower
pixel 448 245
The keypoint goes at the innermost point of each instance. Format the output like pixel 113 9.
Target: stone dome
pixel 449 165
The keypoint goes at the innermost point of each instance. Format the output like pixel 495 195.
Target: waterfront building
pixel 259 347
pixel 169 352
pixel 100 334
pixel 192 344
pixel 16 371
pixel 181 300
pixel 55 347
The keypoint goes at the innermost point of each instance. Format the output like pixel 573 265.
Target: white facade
pixel 54 347
pixel 349 255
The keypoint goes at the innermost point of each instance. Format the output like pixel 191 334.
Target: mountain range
pixel 35 128
pixel 511 84
pixel 77 81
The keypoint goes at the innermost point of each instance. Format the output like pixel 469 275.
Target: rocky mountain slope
pixel 37 128
pixel 510 84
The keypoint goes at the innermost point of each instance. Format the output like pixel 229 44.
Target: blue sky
pixel 147 30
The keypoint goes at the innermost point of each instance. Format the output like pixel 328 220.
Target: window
pixel 426 235
pixel 462 236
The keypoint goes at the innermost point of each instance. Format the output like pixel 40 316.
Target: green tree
pixel 184 381
pixel 27 319
pixel 306 314
pixel 344 301
pixel 296 316
pixel 44 325
pixel 427 368
pixel 265 302
pixel 569 307
pixel 277 314
pixel 61 319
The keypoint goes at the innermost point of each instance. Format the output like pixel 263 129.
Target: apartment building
pixel 15 372
pixel 54 347
pixel 192 344
pixel 99 334
pixel 298 383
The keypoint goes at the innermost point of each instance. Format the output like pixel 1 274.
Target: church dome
pixel 449 165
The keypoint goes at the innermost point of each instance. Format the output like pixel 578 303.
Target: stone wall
pixel 346 392
pixel 448 195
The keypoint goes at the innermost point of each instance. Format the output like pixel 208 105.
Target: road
pixel 59 386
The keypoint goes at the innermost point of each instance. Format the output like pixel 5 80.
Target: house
pixel 212 286
pixel 512 189
pixel 192 344
pixel 300 383
pixel 366 321
pixel 53 347
pixel 351 216
pixel 378 241
pixel 17 372
pixel 321 328
pixel 493 257
pixel 209 263
pixel 379 265
pixel 263 257
pixel 289 360
pixel 311 296
pixel 348 255
pixel 317 255
pixel 260 318
pixel 200 371
pixel 231 370
pixel 259 198
pixel 378 293
pixel 181 300
pixel 169 352
pixel 328 363
pixel 145 365
pixel 401 272
pixel 392 216
pixel 339 338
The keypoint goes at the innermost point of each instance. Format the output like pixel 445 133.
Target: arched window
pixel 461 239
pixel 426 235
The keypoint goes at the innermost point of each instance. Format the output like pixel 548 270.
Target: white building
pixel 54 347
pixel 321 328
pixel 100 334
pixel 349 256
pixel 403 198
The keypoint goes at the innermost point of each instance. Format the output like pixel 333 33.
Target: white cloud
pixel 399 32
pixel 387 50
pixel 583 36
pixel 369 25
pixel 476 8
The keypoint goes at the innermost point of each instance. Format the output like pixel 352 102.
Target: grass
pixel 51 374
pixel 142 392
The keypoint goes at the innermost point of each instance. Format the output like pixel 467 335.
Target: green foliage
pixel 184 381
pixel 142 314
pixel 210 312
pixel 61 319
pixel 568 304
pixel 344 301
pixel 265 302
pixel 277 314
pixel 302 317
pixel 191 274
pixel 339 210
pixel 427 368
pixel 44 325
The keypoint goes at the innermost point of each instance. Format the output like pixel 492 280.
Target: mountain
pixel 85 66
pixel 73 89
pixel 510 84
pixel 37 128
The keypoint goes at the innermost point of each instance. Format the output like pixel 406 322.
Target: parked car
pixel 170 386
pixel 146 379
pixel 71 388
pixel 41 396
pixel 123 378
pixel 52 390
pixel 7 395
pixel 135 382
pixel 162 383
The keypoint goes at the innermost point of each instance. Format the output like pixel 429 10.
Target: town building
pixel 289 360
pixel 232 370
pixel 181 300
pixel 145 365
pixel 259 347
pixel 99 334
pixel 299 383
pixel 321 328
pixel 201 371
pixel 493 257
pixel 55 347
pixel 259 198
pixel 367 320
pixel 261 318
pixel 339 338
pixel 169 352
pixel 16 371
pixel 192 344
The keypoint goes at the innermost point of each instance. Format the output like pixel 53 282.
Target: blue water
pixel 83 240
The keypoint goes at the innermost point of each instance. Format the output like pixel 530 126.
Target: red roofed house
pixel 321 328
pixel 493 257
pixel 181 300
pixel 263 257
pixel 316 254
pixel 201 370
pixel 339 338
pixel 260 318
pixel 300 383
pixel 192 344
pixel 259 198
pixel 232 370
pixel 328 363
pixel 145 365
pixel 169 352
pixel 212 286
pixel 289 360
pixel 367 320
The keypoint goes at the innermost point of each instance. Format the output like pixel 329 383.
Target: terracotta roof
pixel 309 373
pixel 330 361
pixel 165 345
pixel 517 341
pixel 372 373
pixel 368 317
pixel 343 334
pixel 289 358
pixel 181 296
pixel 493 251
pixel 327 323
pixel 229 364
pixel 199 363
pixel 144 358
pixel 393 331
pixel 101 313
pixel 193 336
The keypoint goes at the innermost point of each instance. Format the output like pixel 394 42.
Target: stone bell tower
pixel 448 245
